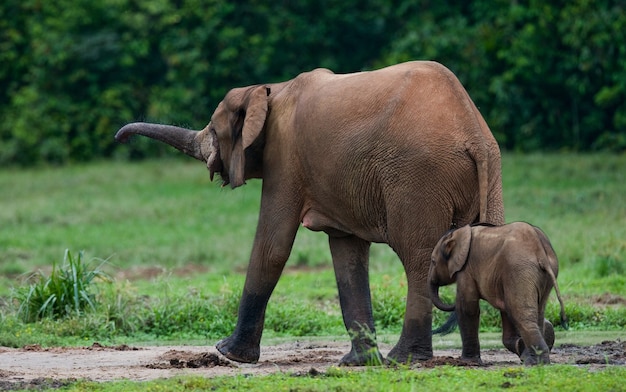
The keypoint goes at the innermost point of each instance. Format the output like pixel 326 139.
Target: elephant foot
pixel 238 352
pixel 532 359
pixel 370 357
pixel 548 333
pixel 399 355
pixel 476 361
pixel 532 356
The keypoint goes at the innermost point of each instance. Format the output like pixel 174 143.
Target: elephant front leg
pixel 350 260
pixel 270 252
pixel 244 344
pixel 468 311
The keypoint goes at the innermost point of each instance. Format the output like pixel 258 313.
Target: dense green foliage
pixel 545 74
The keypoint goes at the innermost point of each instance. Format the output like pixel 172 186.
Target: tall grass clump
pixel 67 291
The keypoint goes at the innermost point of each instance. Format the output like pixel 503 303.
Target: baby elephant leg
pixel 510 336
pixel 540 344
pixel 536 351
pixel 548 333
pixel 469 320
pixel 540 354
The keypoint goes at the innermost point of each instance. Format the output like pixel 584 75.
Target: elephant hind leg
pixel 536 350
pixel 350 261
pixel 415 343
pixel 510 336
pixel 548 333
pixel 546 327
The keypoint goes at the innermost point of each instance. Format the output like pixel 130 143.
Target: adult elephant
pixel 397 155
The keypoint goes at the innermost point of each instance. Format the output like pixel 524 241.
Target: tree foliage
pixel 545 74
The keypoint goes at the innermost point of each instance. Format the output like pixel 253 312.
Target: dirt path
pixel 35 366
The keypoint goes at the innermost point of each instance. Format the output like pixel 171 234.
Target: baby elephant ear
pixel 458 248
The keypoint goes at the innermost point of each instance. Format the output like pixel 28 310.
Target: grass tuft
pixel 67 291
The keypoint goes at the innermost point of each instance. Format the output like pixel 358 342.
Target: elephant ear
pixel 457 248
pixel 253 108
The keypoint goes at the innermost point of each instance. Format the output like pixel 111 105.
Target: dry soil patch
pixel 34 366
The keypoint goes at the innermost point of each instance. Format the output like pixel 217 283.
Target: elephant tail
pixel 550 254
pixel 564 322
pixel 483 185
pixel 480 157
pixel 483 148
pixel 449 326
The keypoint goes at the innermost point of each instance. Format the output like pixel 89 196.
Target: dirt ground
pixel 36 367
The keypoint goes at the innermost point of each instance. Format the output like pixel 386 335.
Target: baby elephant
pixel 513 267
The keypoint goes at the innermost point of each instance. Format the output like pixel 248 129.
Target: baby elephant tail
pixel 564 322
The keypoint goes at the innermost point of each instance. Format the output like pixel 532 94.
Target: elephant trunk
pixel 434 296
pixel 182 139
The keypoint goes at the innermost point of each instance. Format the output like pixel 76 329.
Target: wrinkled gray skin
pixel 513 267
pixel 396 156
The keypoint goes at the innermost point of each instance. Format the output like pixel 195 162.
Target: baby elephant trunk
pixel 434 296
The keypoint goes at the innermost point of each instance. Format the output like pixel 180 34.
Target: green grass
pixel 153 220
pixel 445 378
pixel 579 201
pixel 156 213
pixel 166 215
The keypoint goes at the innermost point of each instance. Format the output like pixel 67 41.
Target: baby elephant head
pixel 448 258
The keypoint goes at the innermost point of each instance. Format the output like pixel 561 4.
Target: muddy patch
pixel 34 384
pixel 606 353
pixel 446 361
pixel 175 359
pixel 94 347
pixel 34 367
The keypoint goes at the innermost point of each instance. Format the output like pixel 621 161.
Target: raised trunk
pixel 434 296
pixel 180 138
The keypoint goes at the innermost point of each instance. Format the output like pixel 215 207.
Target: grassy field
pixel 554 378
pixel 176 247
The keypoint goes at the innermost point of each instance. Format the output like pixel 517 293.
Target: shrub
pixel 67 291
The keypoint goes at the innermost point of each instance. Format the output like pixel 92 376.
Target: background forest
pixel 547 75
